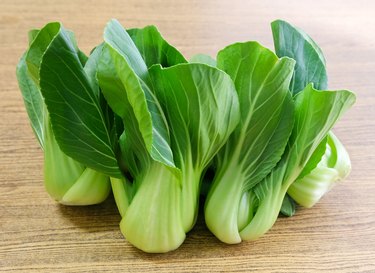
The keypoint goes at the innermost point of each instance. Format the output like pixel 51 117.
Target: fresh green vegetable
pixel 150 221
pixel 202 109
pixel 135 115
pixel 81 122
pixel 257 144
pixel 66 180
pixel 310 67
pixel 315 114
pixel 160 206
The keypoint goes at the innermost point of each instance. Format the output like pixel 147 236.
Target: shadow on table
pixel 101 216
pixel 104 220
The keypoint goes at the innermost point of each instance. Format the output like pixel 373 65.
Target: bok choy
pixel 330 161
pixel 189 109
pixel 250 130
pixel 66 180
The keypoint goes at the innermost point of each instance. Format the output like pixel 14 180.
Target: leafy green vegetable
pixel 249 130
pixel 66 180
pixel 315 114
pixel 259 140
pixel 311 63
pixel 80 125
pixel 126 84
pixel 160 206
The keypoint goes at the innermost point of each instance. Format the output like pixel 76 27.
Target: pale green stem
pixel 152 221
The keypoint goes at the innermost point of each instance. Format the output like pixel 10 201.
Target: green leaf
pixel 315 158
pixel 261 81
pixel 78 121
pixel 125 83
pixel 310 63
pixel 201 107
pixel 91 67
pixel 153 48
pixel 204 59
pixel 288 207
pixel 38 46
pixel 33 100
pixel 316 113
pixel 32 35
pixel 259 140
pixel 117 38
pixel 82 56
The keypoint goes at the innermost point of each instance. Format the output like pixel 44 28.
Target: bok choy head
pixel 40 69
pixel 258 142
pixel 189 109
pixel 330 161
pixel 315 114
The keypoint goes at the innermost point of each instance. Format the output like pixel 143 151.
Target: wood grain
pixel 337 235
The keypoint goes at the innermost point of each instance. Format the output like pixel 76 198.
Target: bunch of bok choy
pixel 138 117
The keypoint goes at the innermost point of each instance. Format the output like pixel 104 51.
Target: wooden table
pixel 337 235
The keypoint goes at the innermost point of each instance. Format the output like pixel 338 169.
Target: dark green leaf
pixel 78 121
pixel 288 207
pixel 310 63
pixel 153 48
pixel 126 85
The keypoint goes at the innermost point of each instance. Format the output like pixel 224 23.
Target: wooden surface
pixel 337 235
